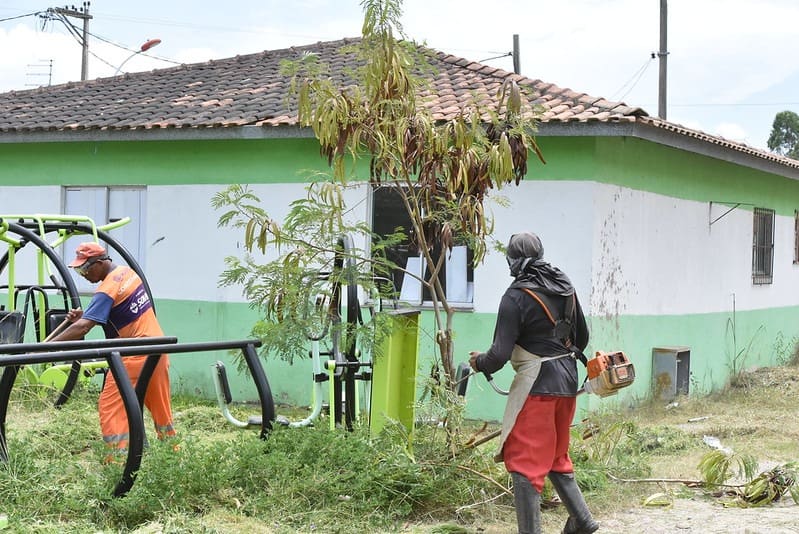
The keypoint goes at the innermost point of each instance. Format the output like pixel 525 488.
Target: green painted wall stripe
pixel 762 337
pixel 624 161
pixel 160 162
pixel 648 166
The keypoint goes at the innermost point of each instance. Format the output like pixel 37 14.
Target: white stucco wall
pixel 187 262
pixel 561 214
pixel 660 255
pixel 628 252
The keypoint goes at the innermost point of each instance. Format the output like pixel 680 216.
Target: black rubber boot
pixel 580 520
pixel 527 501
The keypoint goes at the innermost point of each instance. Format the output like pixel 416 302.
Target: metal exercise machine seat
pixel 12 326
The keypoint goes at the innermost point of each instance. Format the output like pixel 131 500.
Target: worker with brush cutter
pixel 122 306
pixel 542 331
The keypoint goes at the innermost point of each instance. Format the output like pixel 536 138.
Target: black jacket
pixel 522 321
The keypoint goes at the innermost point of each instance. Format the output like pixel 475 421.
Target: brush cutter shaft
pixel 58 329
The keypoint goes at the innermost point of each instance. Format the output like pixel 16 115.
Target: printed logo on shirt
pixel 123 286
pixel 131 308
pixel 139 301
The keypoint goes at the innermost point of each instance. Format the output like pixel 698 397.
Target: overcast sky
pixel 732 64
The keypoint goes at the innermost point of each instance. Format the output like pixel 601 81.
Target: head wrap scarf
pixel 525 258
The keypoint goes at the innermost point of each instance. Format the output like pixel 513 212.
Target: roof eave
pixel 640 130
pixel 650 132
pixel 157 134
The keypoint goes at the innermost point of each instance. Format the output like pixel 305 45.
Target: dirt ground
pixel 758 417
pixel 702 515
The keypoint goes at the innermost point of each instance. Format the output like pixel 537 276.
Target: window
pixel 796 236
pixel 388 214
pixel 103 205
pixel 763 246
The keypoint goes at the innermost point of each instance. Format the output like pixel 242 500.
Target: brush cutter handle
pixel 493 385
pixel 58 329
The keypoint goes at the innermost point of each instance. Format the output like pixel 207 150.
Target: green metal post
pixel 394 374
pixel 12 251
pixel 331 374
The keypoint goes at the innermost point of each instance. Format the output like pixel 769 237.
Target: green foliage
pixel 656 440
pixel 294 292
pixel 736 359
pixel 786 352
pixel 442 171
pixel 784 137
pixel 717 467
pixel 604 445
pixel 295 480
pixel 772 485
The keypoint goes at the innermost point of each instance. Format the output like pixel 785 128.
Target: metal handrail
pixel 133 398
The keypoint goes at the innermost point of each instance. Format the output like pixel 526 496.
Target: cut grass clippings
pixel 225 479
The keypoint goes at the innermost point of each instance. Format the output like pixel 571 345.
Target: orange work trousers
pixel 539 440
pixel 114 420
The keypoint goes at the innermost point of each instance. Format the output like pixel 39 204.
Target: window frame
pixel 106 199
pixel 377 206
pixel 763 220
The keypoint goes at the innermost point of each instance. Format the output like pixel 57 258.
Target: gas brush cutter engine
pixel 608 372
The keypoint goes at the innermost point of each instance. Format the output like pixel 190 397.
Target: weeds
pixel 225 479
pixel 296 480
pixel 718 467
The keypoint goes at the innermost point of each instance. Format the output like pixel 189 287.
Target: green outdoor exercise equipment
pixel 33 311
pixel 358 386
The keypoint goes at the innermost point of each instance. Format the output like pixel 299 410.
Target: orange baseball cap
pixel 87 251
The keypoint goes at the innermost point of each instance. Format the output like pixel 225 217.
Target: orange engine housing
pixel 609 372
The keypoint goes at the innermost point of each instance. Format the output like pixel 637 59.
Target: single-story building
pixel 683 246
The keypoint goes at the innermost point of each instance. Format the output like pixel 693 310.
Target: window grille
pixel 763 246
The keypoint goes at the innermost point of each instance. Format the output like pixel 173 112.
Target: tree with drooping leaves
pixel 442 170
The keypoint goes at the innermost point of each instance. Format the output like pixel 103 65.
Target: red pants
pixel 539 441
pixel 114 420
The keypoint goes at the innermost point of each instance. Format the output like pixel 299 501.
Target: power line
pixel 73 30
pixel 634 79
pixel 123 47
pixel 176 24
pixel 506 54
pixel 21 16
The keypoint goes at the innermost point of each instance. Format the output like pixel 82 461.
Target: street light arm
pixel 126 60
pixel 144 48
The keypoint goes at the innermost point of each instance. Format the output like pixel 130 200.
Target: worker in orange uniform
pixel 122 306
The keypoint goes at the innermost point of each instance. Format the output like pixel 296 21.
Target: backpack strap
pixel 568 313
pixel 541 302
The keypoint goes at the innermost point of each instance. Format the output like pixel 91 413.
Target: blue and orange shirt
pixel 121 304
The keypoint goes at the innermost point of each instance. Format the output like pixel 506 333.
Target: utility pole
pixel 662 57
pixel 517 68
pixel 83 14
